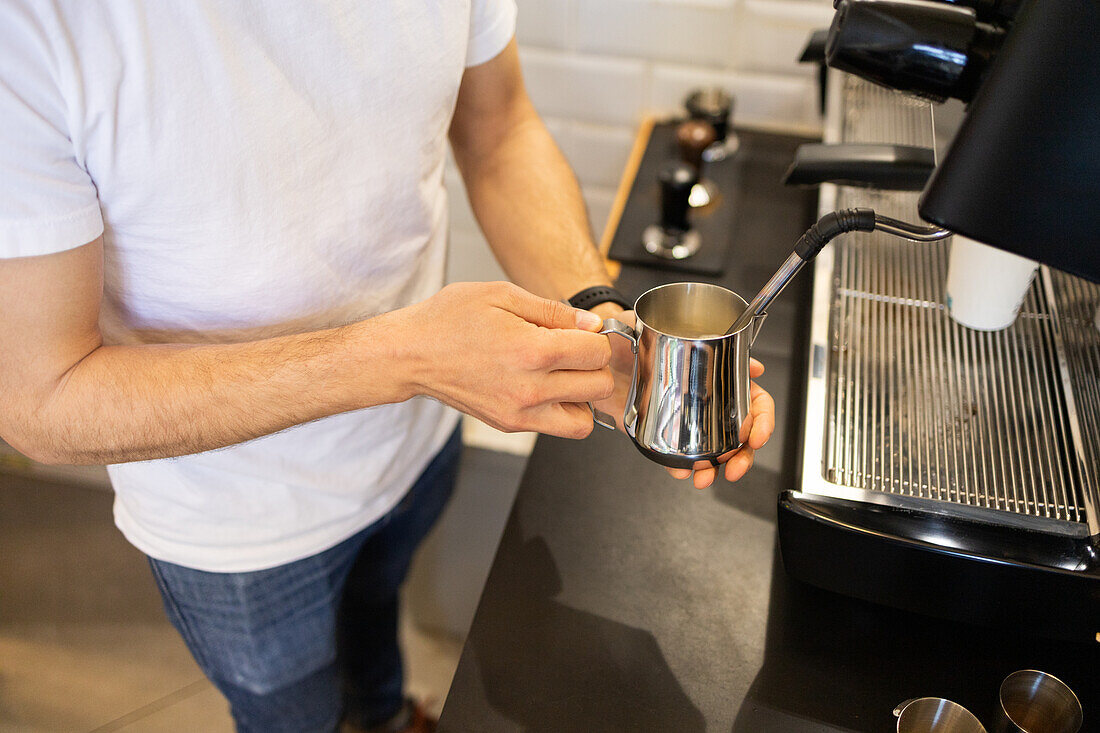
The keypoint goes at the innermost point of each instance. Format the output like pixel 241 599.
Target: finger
pixel 755 368
pixel 763 414
pixel 622 357
pixel 704 477
pixel 563 419
pixel 627 317
pixel 573 349
pixel 740 464
pixel 549 313
pixel 577 386
pixel 679 473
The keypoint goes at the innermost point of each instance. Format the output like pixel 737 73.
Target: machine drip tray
pixel 943 566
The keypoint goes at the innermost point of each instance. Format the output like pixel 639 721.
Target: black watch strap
pixel 591 297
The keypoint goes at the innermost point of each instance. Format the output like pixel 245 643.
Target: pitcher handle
pixel 617 328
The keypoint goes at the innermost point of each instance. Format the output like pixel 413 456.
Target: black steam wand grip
pixel 828 228
pixel 831 226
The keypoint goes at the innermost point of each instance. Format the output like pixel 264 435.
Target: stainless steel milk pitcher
pixel 689 392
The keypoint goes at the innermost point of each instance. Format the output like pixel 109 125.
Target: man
pixel 222 235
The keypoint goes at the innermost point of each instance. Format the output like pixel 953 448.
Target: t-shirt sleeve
pixel 47 199
pixel 492 25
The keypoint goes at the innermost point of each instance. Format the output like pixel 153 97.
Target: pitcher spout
pixel 757 322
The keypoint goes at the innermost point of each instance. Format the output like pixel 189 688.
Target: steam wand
pixel 816 237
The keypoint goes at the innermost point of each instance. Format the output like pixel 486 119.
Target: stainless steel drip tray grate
pixel 905 406
pixel 919 406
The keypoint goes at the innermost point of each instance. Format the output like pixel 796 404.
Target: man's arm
pixel 510 358
pixel 521 188
pixel 529 205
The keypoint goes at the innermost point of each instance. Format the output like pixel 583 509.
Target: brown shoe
pixel 412 718
pixel 421 721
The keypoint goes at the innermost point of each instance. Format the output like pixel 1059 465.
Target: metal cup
pixel 1036 702
pixel 935 715
pixel 689 393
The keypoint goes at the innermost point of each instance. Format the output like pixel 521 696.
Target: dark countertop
pixel 621 599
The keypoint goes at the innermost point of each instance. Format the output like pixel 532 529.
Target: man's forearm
pixel 128 403
pixel 529 205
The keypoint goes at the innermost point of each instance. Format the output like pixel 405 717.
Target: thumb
pixel 551 313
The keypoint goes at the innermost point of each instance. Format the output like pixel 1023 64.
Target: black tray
pixel 745 180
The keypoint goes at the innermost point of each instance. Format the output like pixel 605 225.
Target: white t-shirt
pixel 255 169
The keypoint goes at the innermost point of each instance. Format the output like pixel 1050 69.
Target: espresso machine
pixel 950 471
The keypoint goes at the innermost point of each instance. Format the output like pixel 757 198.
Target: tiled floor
pixel 84 643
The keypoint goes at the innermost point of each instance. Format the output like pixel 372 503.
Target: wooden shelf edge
pixel 645 130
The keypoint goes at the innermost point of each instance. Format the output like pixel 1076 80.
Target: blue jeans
pixel 298 647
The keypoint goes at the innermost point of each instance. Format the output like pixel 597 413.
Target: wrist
pixel 607 310
pixel 385 359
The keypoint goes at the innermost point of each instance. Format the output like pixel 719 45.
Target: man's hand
pixel 737 463
pixel 509 358
pixel 761 409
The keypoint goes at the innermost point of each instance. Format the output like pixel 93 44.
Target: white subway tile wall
pixel 545 23
pixel 595 68
pixel 656 31
pixel 602 89
pixel 772 33
pixel 761 99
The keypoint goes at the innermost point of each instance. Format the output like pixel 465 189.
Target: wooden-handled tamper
pixel 714 106
pixel 673 238
pixel 693 137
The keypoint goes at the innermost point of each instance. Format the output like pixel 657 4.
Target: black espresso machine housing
pixel 1022 174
